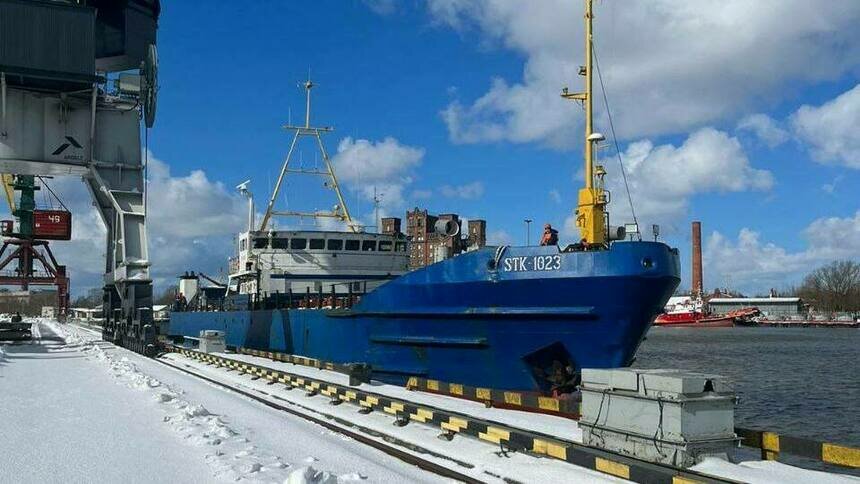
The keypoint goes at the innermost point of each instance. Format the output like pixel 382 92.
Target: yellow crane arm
pixel 8 180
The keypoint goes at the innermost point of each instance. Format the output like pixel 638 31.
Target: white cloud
pixel 555 195
pixel 468 191
pixel 382 7
pixel 835 237
pixel 755 266
pixel 570 229
pixel 499 237
pixel 664 178
pixel 191 206
pixel 765 128
pixel 369 161
pixel 830 188
pixel 386 165
pixel 668 66
pixel 830 130
pixel 422 194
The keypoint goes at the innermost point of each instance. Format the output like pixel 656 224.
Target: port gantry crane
pixel 28 241
pixel 76 77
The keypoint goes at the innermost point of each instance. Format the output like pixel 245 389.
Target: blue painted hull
pixel 465 321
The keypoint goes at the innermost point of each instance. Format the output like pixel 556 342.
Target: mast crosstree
pixel 340 211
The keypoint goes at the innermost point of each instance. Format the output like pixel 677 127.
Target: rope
pixel 615 140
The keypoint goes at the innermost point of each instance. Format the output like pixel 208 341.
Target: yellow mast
pixel 590 211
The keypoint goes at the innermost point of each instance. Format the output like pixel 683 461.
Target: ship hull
pixel 481 319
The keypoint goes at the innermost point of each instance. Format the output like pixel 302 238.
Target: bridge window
pixel 401 247
pixel 335 244
pixel 385 245
pixel 352 244
pixel 368 246
pixel 317 244
pixel 280 243
pixel 298 244
pixel 261 243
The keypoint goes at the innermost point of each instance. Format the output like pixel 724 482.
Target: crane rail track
pixel 452 423
pixel 359 435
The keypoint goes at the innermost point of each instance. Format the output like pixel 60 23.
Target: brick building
pixel 426 246
pixel 391 225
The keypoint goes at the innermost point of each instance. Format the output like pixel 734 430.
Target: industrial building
pixel 426 246
pixel 772 307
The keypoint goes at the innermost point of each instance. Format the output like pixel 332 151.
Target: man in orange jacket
pixel 550 235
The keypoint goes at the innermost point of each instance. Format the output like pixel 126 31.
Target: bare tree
pixel 834 287
pixel 168 296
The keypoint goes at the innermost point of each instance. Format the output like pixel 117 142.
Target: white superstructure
pixel 312 261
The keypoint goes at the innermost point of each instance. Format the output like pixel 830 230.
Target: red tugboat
pixel 685 311
pixel 692 311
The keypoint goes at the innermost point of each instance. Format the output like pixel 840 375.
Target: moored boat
pixel 684 311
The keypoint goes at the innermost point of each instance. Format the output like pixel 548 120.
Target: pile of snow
pixel 231 456
pixel 309 475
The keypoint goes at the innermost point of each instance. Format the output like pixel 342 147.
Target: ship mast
pixel 340 211
pixel 591 208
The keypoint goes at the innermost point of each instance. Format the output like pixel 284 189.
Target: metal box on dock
pixel 212 341
pixel 667 416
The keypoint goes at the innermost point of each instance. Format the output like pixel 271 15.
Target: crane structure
pixel 78 85
pixel 28 243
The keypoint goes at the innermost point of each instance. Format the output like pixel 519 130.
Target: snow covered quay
pixel 75 408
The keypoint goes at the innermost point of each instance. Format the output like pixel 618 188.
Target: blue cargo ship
pixel 520 318
pixel 468 320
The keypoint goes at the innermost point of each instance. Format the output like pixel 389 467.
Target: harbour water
pixel 795 381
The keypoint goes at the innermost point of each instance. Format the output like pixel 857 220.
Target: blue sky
pixel 454 105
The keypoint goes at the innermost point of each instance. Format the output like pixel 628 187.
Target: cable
pixel 659 429
pixel 41 179
pixel 615 140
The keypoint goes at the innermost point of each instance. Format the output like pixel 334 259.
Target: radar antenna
pixel 340 211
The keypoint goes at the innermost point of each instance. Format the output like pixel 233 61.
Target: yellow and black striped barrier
pixel 287 358
pixel 489 396
pixel 358 372
pixel 772 444
pixel 452 423
pixel 499 398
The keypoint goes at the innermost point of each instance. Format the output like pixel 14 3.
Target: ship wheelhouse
pixel 304 261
